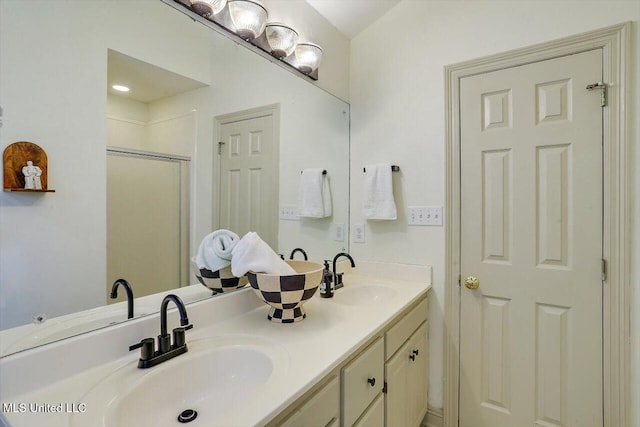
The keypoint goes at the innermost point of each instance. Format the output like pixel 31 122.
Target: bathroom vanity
pixel 357 359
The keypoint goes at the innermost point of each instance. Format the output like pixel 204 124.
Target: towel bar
pixel 394 168
pixel 324 172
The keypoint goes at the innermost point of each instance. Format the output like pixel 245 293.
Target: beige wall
pixel 397 100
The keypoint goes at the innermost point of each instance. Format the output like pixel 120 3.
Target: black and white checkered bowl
pixel 220 281
pixel 286 294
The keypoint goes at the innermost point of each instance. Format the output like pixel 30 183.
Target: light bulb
pixel 282 39
pixel 248 18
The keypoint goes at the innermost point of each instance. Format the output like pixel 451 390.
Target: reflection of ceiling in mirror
pixel 147 82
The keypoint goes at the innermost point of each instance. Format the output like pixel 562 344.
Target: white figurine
pixel 32 176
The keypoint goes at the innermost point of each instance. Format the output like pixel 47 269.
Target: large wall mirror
pixel 147 162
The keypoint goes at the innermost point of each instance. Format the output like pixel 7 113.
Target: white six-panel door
pixel 248 178
pixel 531 233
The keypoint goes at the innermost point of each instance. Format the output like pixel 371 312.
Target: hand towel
pixel 215 250
pixel 253 254
pixel 377 201
pixel 314 195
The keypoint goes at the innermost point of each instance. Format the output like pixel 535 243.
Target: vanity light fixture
pixel 248 18
pixel 281 38
pixel 208 8
pixel 307 57
pixel 120 88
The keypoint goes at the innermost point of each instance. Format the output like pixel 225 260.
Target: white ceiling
pixel 352 16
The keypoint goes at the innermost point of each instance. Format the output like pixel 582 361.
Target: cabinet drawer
pixel 321 410
pixel 374 417
pixel 402 330
pixel 362 381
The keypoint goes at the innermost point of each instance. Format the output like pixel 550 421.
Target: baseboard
pixel 434 418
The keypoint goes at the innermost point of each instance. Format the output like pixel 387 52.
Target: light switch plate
pixel 424 215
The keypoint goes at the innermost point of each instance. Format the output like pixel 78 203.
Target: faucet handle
pixel 178 337
pixel 135 346
pixel 148 348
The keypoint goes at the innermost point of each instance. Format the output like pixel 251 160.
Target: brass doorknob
pixel 471 283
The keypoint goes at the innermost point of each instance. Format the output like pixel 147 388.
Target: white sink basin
pixel 212 381
pixel 364 295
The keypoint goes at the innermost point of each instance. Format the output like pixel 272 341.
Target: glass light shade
pixel 308 57
pixel 248 18
pixel 208 8
pixel 282 39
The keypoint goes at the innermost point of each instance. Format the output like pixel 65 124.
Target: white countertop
pixel 315 346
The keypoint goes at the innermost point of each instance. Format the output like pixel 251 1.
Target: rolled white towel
pixel 216 249
pixel 253 254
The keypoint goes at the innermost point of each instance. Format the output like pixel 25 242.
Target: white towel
pixel 314 195
pixel 377 201
pixel 215 250
pixel 253 254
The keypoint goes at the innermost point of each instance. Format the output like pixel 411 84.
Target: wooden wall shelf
pixel 15 158
pixel 22 190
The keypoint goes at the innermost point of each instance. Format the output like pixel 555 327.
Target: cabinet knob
pixel 372 381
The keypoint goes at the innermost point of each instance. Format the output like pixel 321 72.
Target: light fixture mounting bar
pixel 179 6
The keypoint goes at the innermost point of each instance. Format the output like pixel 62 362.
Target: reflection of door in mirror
pixel 147 222
pixel 249 162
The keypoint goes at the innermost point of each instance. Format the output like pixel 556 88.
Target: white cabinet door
pixel 374 416
pixel 362 381
pixel 397 378
pixel 407 381
pixel 322 410
pixel 418 375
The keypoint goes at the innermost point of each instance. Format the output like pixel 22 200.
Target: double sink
pixel 218 376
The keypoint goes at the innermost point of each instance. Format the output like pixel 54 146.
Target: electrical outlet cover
pixel 338 232
pixel 358 233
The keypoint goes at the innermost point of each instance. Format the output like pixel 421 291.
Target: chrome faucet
pixel 293 252
pixel 128 290
pixel 337 277
pixel 148 355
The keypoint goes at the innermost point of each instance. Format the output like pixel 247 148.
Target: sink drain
pixel 187 416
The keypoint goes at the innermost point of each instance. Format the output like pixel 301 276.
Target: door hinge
pixel 459 281
pixel 603 95
pixel 385 390
pixel 603 267
pixel 220 144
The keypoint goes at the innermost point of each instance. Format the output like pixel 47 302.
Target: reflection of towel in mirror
pixel 253 254
pixel 215 250
pixel 377 200
pixel 314 195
